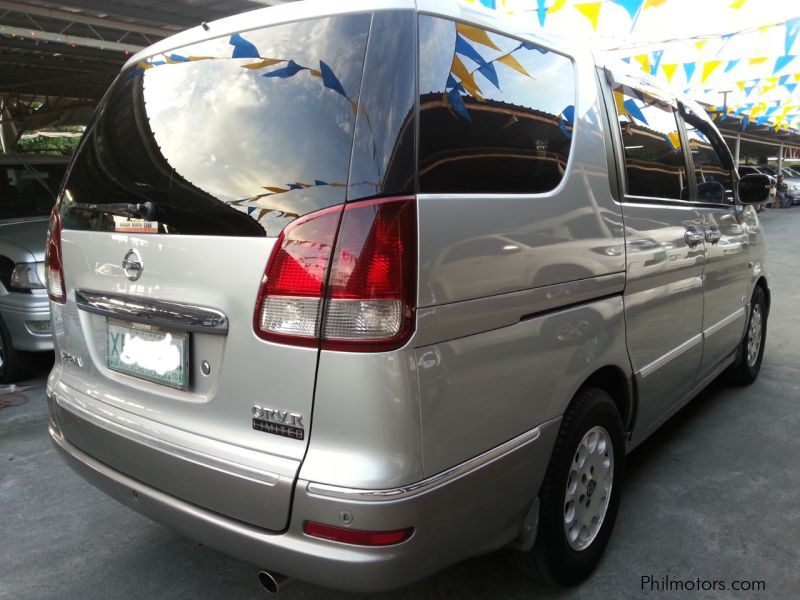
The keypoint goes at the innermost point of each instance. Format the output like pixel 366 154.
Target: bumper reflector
pixel 355 536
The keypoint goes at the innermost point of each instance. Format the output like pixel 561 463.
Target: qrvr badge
pixel 278 422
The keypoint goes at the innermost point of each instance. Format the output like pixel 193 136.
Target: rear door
pixel 230 140
pixel 665 251
pixel 726 276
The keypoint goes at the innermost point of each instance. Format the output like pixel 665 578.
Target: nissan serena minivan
pixel 357 290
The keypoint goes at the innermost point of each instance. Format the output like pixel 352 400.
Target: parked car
pixel 28 186
pixel 260 341
pixel 791 180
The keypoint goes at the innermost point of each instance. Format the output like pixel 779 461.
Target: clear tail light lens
pixel 54 269
pixel 354 290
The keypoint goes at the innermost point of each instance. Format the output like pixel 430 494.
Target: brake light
pixel 54 269
pixel 355 536
pixel 352 290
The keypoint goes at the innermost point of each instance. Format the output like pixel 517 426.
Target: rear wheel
pixel 14 364
pixel 751 350
pixel 580 494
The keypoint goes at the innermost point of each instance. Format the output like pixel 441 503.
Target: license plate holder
pixel 147 352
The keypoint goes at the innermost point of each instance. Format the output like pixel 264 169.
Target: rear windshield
pixel 28 189
pixel 238 135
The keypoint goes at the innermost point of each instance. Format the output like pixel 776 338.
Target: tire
pixel 555 559
pixel 751 349
pixel 14 364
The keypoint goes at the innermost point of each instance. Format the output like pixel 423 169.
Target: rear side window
pixel 238 135
pixel 496 114
pixel 654 162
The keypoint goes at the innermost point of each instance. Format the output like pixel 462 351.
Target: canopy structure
pixel 739 57
pixel 57 57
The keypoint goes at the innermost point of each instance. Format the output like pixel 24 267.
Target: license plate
pixel 149 353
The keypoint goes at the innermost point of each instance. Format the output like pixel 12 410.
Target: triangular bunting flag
pixel 792 29
pixel 590 10
pixel 731 64
pixel 709 68
pixel 689 68
pixel 476 35
pixel 782 61
pixel 669 71
pixel 631 6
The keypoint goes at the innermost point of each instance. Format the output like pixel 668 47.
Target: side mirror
pixel 754 189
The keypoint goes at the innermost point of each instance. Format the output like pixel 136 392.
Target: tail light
pixel 355 536
pixel 54 269
pixel 343 278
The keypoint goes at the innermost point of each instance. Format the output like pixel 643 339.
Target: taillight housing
pixel 54 268
pixel 343 278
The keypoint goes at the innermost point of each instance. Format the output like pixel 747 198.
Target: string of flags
pixel 734 71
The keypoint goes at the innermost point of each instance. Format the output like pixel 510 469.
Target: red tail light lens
pixel 54 269
pixel 371 288
pixel 355 536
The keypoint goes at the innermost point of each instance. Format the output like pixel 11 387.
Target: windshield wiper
pixel 147 210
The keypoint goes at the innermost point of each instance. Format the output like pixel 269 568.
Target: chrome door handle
pixel 692 238
pixel 713 235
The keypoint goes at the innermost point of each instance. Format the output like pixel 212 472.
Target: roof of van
pixel 308 9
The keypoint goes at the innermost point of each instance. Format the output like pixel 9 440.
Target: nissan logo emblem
pixel 132 265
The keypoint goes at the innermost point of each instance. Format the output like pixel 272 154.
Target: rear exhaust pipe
pixel 272 582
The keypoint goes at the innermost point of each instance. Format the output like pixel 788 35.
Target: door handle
pixel 692 237
pixel 713 235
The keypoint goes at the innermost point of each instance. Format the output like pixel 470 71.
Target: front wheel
pixel 580 493
pixel 751 350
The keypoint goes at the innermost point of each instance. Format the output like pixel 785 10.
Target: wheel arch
pixel 613 380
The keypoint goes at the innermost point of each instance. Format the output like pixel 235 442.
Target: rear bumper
pixel 17 311
pixel 474 508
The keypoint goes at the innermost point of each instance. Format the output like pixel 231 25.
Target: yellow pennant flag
pixel 675 140
pixel 652 3
pixel 590 10
pixel 644 61
pixel 797 77
pixel 737 4
pixel 512 62
pixel 771 80
pixel 669 71
pixel 740 85
pixel 466 79
pixel 267 62
pixel 699 45
pixel 757 61
pixel 619 101
pixel 768 88
pixel 476 35
pixel 276 190
pixel 763 29
pixel 709 68
pixel 557 6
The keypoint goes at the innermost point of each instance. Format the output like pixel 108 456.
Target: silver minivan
pixel 357 290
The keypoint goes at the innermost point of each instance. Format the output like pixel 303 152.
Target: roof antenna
pixel 205 25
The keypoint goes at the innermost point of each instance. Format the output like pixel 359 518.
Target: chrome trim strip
pixel 177 315
pixel 180 452
pixel 724 322
pixel 671 355
pixel 434 481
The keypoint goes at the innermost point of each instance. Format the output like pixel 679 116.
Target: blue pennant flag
pixel 761 120
pixel 569 114
pixel 792 29
pixel 457 104
pixel 290 70
pixel 782 61
pixel 242 48
pixel 251 210
pixel 541 10
pixel 320 182
pixel 689 68
pixel 488 3
pixel 294 186
pixel 791 87
pixel 745 122
pixel 749 90
pixel 178 58
pixel 463 48
pixel 731 64
pixel 329 79
pixel 634 110
pixel 656 62
pixel 453 84
pixel 489 72
pixel 771 110
pixel 783 80
pixel 631 6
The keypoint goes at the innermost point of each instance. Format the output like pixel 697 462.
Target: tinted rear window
pixel 496 113
pixel 234 136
